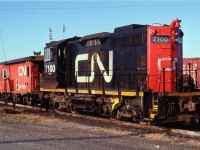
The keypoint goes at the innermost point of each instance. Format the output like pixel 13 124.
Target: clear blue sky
pixel 24 25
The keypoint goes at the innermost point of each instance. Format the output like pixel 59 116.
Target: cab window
pixel 47 54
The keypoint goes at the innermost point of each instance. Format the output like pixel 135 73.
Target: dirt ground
pixel 98 125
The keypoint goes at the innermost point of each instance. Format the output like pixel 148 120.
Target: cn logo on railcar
pixel 22 70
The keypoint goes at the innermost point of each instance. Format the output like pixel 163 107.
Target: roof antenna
pixel 50 34
pixel 63 31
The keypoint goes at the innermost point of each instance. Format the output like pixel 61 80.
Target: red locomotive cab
pixel 164 56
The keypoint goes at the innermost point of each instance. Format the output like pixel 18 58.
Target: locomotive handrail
pixel 145 81
pixel 156 80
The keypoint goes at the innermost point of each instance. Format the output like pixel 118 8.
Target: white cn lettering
pixel 21 70
pixel 83 57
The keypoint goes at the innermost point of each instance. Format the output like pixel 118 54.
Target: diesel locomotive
pixel 124 74
pixel 134 72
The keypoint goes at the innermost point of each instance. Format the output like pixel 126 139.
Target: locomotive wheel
pixel 74 111
pixel 137 115
pixel 116 114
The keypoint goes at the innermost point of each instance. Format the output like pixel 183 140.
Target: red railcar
pixel 191 67
pixel 19 78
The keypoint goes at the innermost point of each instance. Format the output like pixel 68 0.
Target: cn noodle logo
pixel 22 70
pixel 107 75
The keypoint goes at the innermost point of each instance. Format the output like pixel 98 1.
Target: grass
pixel 22 114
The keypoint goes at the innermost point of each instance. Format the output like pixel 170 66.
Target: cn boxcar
pixel 191 68
pixel 19 79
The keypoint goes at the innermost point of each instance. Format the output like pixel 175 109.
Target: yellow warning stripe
pixel 52 90
pixel 155 107
pixel 111 93
pixel 153 113
pixel 83 91
pixel 98 92
pixel 128 93
pixel 71 90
